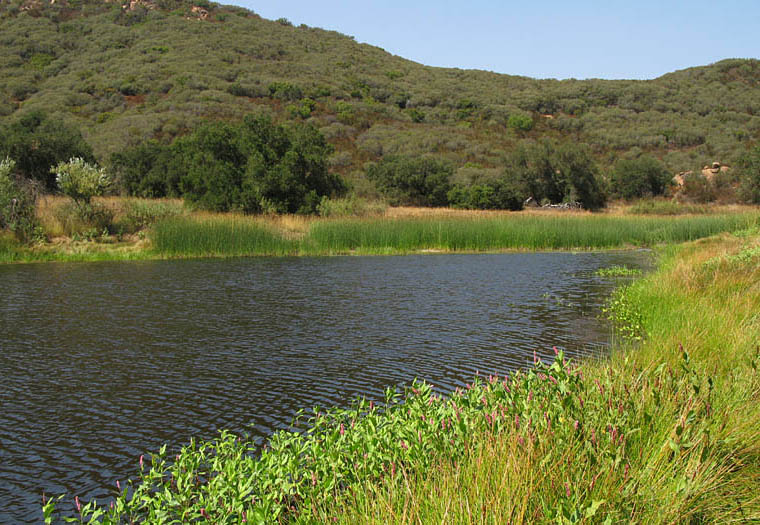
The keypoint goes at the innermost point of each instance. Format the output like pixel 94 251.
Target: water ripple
pixel 102 362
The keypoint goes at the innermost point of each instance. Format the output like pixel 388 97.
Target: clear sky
pixel 543 39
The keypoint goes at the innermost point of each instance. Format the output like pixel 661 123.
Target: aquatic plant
pixel 334 451
pixel 618 271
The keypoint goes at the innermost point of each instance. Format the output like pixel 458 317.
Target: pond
pixel 100 362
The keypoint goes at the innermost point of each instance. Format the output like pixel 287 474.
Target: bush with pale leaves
pixel 81 180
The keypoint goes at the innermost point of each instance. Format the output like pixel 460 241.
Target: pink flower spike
pixel 556 352
pixel 575 425
pixel 141 461
pixel 118 485
pixel 342 429
pixel 567 490
pixel 78 504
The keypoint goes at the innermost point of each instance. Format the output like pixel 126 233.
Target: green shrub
pixel 750 176
pixel 146 171
pixel 422 181
pixel 639 177
pixel 255 167
pixel 81 180
pixel 16 204
pixel 697 188
pixel 497 195
pixel 352 206
pixel 520 122
pixel 37 142
pixel 85 220
pixel 556 172
pixel 139 214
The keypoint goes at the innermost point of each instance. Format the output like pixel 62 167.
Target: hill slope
pixel 127 73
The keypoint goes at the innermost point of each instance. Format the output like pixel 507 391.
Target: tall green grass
pixel 9 248
pixel 218 236
pixel 235 235
pixel 680 408
pixel 666 207
pixel 531 232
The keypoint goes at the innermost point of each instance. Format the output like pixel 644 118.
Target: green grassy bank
pixel 230 235
pixel 664 431
pixel 240 236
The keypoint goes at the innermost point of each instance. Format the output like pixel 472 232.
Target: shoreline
pixel 223 236
pixel 648 433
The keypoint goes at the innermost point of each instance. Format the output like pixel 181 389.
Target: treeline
pixel 259 166
pixel 254 167
pixel 126 74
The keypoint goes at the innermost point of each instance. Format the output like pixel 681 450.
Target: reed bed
pixel 528 232
pixel 215 236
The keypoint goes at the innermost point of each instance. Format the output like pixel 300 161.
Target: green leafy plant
pixel 81 180
pixel 16 204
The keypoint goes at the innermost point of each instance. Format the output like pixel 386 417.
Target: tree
pixel 556 173
pixel 421 181
pixel 582 175
pixel 641 176
pixel 36 142
pixel 749 174
pixel 532 166
pixel 17 212
pixel 81 180
pixel 255 167
pixel 145 171
pixel 496 195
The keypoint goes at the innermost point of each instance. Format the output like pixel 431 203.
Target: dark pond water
pixel 101 362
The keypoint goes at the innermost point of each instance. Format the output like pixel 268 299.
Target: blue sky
pixel 542 39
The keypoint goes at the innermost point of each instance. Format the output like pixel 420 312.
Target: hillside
pixel 124 74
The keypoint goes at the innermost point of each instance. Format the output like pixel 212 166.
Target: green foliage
pixel 139 214
pixel 552 172
pixel 16 204
pixel 217 236
pixel 750 176
pixel 554 232
pixel 338 450
pixel 520 122
pixel 422 181
pixel 643 176
pixel 146 170
pixel 579 169
pixel 36 142
pixel 351 206
pixel 497 195
pixel 285 91
pixel 123 78
pixel 85 221
pixel 697 188
pixel 666 207
pixel 255 167
pixel 618 271
pixel 80 180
